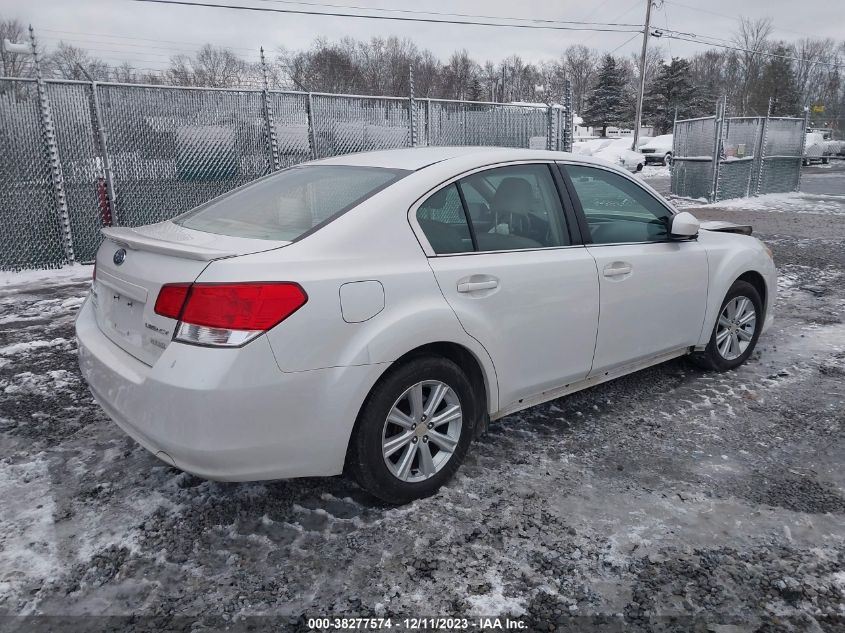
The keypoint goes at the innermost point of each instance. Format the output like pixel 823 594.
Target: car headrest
pixel 513 195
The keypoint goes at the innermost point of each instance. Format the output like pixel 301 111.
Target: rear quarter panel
pixel 371 242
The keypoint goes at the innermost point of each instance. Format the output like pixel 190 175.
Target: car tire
pixel 367 461
pixel 825 161
pixel 715 356
pixel 667 159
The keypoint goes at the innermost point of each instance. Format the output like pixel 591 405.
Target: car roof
pixel 416 158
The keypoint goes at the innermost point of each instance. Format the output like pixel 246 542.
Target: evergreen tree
pixel 475 91
pixel 609 103
pixel 778 83
pixel 673 88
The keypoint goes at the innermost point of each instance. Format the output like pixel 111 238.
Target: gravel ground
pixel 673 499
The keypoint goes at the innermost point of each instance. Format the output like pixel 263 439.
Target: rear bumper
pixel 226 414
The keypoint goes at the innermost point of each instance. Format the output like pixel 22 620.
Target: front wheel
pixel 413 431
pixel 667 159
pixel 736 331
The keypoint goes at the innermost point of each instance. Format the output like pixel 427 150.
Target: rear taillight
pixel 228 314
pixel 170 300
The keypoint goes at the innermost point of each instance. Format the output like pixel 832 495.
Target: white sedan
pixel 370 313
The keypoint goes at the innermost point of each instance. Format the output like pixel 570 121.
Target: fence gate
pixel 737 157
pixel 717 158
pixel 782 154
pixel 694 145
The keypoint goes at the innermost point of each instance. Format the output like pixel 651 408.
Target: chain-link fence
pixel 134 154
pixel 717 158
pixel 479 123
pixel 692 157
pixel 30 234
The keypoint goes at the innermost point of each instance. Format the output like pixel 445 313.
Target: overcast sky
pixel 148 34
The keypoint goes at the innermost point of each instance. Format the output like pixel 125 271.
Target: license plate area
pixel 119 315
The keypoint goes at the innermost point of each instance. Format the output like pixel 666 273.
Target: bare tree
pixel 653 63
pixel 458 75
pixel 580 63
pixel 125 73
pixel 752 37
pixel 14 64
pixel 71 62
pixel 213 67
pixel 427 70
pixel 809 73
pixel 553 74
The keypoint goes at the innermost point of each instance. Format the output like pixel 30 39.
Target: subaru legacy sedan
pixel 369 314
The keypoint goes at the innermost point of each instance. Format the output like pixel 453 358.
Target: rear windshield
pixel 287 205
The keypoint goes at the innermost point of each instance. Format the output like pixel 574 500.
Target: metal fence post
pixel 412 107
pixel 309 114
pixel 717 146
pixel 803 147
pixel 550 126
pixel 569 120
pixel 48 132
pixel 428 122
pixel 764 135
pixel 103 146
pixel 270 136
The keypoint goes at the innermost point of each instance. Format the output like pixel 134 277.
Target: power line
pixel 439 13
pixel 729 17
pixel 141 39
pixel 389 17
pixel 618 17
pixel 676 36
pixel 630 39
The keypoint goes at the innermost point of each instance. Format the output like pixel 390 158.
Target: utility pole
pixel 639 117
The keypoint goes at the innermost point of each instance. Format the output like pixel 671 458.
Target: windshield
pixel 287 205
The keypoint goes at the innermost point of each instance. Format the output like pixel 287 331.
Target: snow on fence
pixel 84 155
pixel 719 157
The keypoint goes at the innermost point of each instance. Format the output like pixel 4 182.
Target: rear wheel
pixel 413 431
pixel 667 159
pixel 736 331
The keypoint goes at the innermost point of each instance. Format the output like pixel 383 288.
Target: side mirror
pixel 684 224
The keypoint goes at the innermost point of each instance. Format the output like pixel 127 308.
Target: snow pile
pixel 71 273
pixel 616 151
pixel 656 171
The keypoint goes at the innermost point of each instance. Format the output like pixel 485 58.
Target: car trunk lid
pixel 132 266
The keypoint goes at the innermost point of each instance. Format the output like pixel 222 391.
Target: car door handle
pixel 472 286
pixel 617 269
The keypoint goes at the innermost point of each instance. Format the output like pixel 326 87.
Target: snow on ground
pixel 793 202
pixel 716 497
pixel 40 277
pixel 656 171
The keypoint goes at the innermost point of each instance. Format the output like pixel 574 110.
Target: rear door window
pixel 290 204
pixel 501 209
pixel 515 207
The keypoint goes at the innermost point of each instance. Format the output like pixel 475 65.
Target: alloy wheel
pixel 736 327
pixel 422 431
